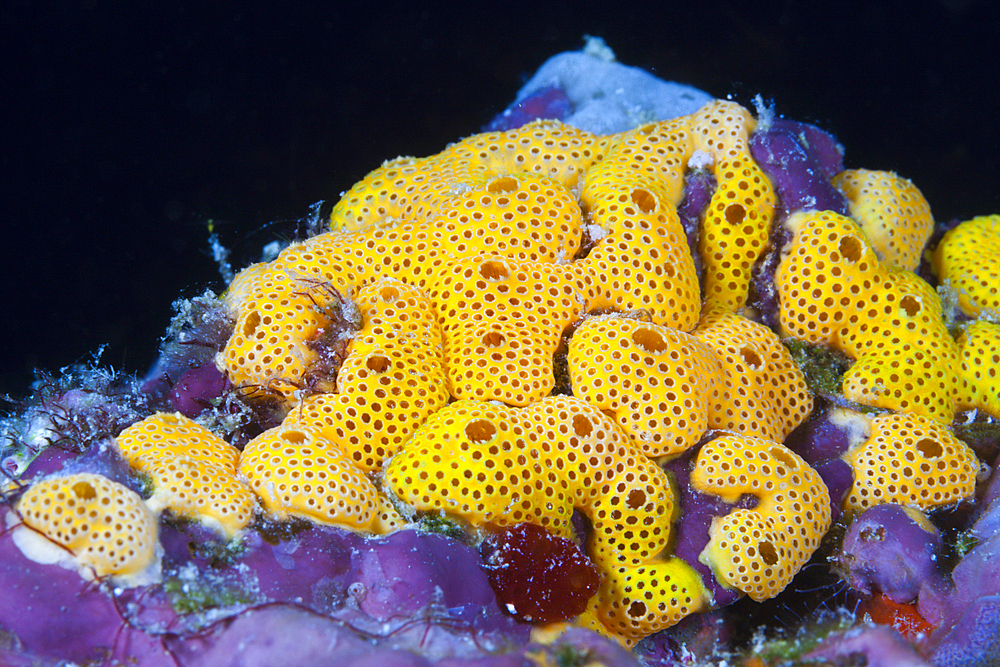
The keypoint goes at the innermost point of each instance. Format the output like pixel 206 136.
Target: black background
pixel 128 127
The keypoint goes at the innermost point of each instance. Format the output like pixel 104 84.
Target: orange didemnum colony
pixel 759 550
pixel 193 471
pixel 469 272
pixel 104 525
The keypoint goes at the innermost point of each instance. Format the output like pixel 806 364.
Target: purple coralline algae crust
pixel 56 614
pixel 967 615
pixel 271 635
pixel 819 439
pixel 974 640
pixel 692 533
pixel 880 646
pixel 699 186
pixel 795 171
pixel 194 391
pixel 823 147
pixel 885 550
pixel 821 442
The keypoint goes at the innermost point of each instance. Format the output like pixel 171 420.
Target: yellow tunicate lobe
pixel 103 524
pixel 759 550
pixel 193 471
pixel 834 290
pixel 496 465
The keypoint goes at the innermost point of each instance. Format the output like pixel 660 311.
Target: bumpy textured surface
pixel 761 390
pixel 492 464
pixel 391 381
pixel 892 212
pixel 296 472
pixel 910 460
pixel 835 291
pixel 968 260
pixel 979 379
pixel 759 550
pixel 522 335
pixel 655 381
pixel 103 524
pixel 738 219
pixel 193 471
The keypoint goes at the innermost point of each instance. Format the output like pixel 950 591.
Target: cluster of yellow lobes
pixel 474 270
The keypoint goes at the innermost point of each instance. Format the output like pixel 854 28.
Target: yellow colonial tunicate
pixel 738 219
pixel 834 290
pixel 520 216
pixel 968 261
pixel 502 321
pixel 910 460
pixel 892 212
pixel 656 382
pixel 657 151
pixel 104 525
pixel 411 189
pixel 193 471
pixel 491 464
pixel 545 147
pixel 167 435
pixel 402 189
pixel 641 259
pixel 979 379
pixel 297 473
pixel 280 316
pixel 391 381
pixel 759 550
pixel 760 389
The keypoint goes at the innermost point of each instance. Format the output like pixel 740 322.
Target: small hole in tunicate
pixel 910 305
pixel 929 449
pixel 502 185
pixel 480 430
pixel 851 249
pixel 784 458
pixel 768 553
pixel 637 609
pixel 644 199
pixel 735 213
pixel 751 358
pixel 294 437
pixel 377 363
pixel 649 340
pixel 493 339
pixel 251 323
pixel 636 499
pixel 84 491
pixel 492 270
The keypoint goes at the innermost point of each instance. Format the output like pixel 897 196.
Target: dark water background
pixel 129 127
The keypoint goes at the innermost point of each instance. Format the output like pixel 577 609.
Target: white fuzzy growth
pixel 220 254
pixel 765 113
pixel 596 232
pixel 857 425
pixel 700 160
